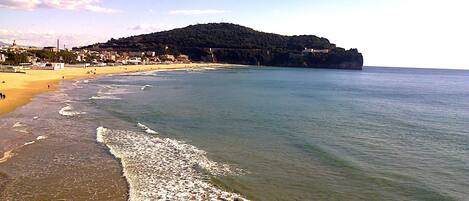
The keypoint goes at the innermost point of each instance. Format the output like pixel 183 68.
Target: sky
pixel 394 33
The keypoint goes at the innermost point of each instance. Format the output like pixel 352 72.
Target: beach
pixel 48 149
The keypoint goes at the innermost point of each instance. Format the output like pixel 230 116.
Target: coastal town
pixel 16 58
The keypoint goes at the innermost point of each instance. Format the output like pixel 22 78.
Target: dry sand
pixel 20 88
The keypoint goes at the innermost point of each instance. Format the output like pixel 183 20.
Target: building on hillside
pixel 311 50
pixel 50 49
pixel 150 54
pixel 183 58
pixel 110 56
pixel 3 58
pixel 32 59
pixel 134 60
pixel 136 54
pixel 167 57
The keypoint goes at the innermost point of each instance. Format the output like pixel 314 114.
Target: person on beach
pixel 48 86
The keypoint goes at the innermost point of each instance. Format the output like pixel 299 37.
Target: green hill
pixel 230 43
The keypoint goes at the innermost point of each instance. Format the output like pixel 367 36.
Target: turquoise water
pixel 312 134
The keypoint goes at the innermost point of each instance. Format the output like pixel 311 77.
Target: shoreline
pixel 21 88
pixel 29 147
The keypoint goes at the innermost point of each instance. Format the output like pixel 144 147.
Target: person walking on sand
pixel 48 86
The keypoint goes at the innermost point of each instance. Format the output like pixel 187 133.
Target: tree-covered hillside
pixel 230 43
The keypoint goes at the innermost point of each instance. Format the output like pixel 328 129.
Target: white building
pixel 134 60
pixel 311 50
pixel 2 58
pixel 58 66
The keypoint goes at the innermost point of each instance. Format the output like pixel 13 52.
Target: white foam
pixel 100 132
pixel 147 129
pixel 114 90
pixel 41 137
pixel 68 111
pixel 29 143
pixel 164 169
pixel 18 124
pixel 35 118
pixel 20 127
pixel 146 87
pixel 104 98
pixel 7 155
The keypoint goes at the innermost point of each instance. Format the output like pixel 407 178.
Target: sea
pixel 273 133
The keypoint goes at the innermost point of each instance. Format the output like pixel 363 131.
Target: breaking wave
pixel 147 129
pixel 164 169
pixel 20 127
pixel 146 87
pixel 104 98
pixel 69 111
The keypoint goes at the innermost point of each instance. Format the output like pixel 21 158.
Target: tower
pixel 58 45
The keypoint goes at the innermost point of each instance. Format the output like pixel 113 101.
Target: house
pixel 311 50
pixel 8 69
pixel 167 57
pixel 134 60
pixel 3 58
pixel 136 54
pixel 48 66
pixel 50 49
pixel 150 54
pixel 183 58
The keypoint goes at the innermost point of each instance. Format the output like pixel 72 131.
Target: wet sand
pixel 47 156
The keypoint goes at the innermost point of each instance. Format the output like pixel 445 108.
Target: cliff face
pixel 230 43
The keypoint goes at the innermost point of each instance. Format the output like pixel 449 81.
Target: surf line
pixel 11 153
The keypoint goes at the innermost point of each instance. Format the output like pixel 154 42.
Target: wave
pixel 20 127
pixel 68 111
pixel 147 129
pixel 114 90
pixel 7 155
pixel 11 153
pixel 146 87
pixel 41 137
pixel 104 98
pixel 18 124
pixel 162 169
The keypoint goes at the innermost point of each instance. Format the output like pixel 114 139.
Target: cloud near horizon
pixel 197 12
pixel 150 27
pixel 87 5
pixel 43 39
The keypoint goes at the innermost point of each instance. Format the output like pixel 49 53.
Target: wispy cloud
pixel 87 5
pixel 145 28
pixel 41 39
pixel 197 12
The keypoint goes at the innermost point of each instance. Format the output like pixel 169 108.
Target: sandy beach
pixel 38 160
pixel 19 88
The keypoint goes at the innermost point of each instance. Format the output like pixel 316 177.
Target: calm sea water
pixel 310 134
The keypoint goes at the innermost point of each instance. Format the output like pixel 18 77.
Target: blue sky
pixel 406 33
